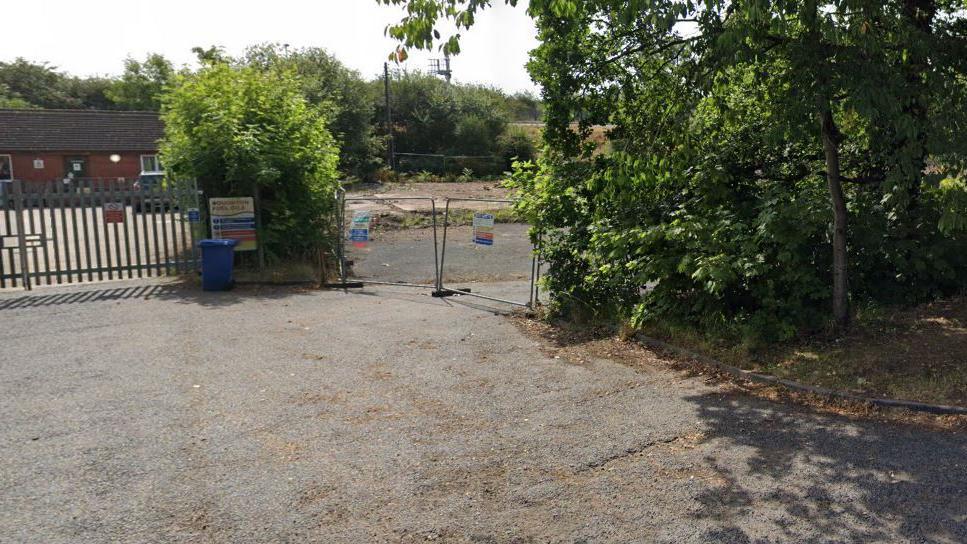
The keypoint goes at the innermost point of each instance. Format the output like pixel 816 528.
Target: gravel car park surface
pixel 407 255
pixel 149 412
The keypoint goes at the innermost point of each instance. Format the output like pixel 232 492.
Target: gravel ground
pixel 143 412
pixel 407 256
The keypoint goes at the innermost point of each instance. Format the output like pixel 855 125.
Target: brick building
pixel 50 145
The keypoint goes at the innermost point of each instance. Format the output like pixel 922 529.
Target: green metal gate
pixel 86 230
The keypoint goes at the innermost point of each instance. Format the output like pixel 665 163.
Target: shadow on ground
pixel 850 481
pixel 774 472
pixel 180 292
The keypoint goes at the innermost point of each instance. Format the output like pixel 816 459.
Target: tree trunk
pixel 830 137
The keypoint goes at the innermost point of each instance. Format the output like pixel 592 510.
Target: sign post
pixel 234 219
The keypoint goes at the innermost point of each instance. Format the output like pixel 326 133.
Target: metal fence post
pixel 341 215
pixel 436 247
pixel 18 203
pixel 443 291
pixel 443 250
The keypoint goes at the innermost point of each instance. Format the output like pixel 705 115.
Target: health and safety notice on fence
pixel 359 230
pixel 483 229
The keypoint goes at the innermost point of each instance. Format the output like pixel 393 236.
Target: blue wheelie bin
pixel 217 258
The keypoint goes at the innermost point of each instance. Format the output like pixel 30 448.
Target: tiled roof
pixel 79 130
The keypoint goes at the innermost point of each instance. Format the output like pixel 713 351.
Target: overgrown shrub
pixel 431 116
pixel 245 132
pixel 515 144
pixel 723 223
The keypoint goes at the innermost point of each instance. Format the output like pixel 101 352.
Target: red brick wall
pixel 99 164
pixel 129 168
pixel 23 166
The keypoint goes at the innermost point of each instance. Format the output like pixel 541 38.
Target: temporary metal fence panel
pixel 87 230
pixel 390 241
pixel 483 255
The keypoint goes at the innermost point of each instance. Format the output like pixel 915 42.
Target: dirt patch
pixel 915 354
pixel 583 344
pixel 472 189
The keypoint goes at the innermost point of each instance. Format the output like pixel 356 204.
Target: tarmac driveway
pixel 148 413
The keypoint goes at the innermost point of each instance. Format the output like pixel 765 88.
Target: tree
pixel 859 94
pixel 29 84
pixel 142 83
pixel 38 84
pixel 245 132
pixel 9 101
pixel 433 116
pixel 91 92
pixel 208 56
pixel 325 80
pixel 524 106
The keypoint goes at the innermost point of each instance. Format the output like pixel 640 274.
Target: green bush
pixel 723 223
pixel 515 144
pixel 324 80
pixel 431 116
pixel 240 132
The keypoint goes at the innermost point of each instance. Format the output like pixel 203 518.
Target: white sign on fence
pixel 359 230
pixel 483 229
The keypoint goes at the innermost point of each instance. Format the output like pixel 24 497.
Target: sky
pixel 88 37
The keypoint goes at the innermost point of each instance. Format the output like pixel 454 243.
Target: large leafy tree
pixel 142 83
pixel 325 80
pixel 727 115
pixel 38 84
pixel 433 116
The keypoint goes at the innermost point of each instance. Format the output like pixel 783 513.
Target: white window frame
pixel 157 163
pixel 10 162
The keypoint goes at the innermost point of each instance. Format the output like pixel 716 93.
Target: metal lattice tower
pixel 441 67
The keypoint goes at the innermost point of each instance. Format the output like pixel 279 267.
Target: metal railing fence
pixel 93 230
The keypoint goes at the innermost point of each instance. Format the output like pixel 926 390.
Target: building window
pixel 6 168
pixel 150 164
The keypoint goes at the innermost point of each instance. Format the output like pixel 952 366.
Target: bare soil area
pixel 915 354
pixel 583 344
pixel 439 191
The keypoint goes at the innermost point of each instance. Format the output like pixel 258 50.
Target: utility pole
pixel 389 119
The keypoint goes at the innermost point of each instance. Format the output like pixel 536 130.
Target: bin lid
pixel 217 243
